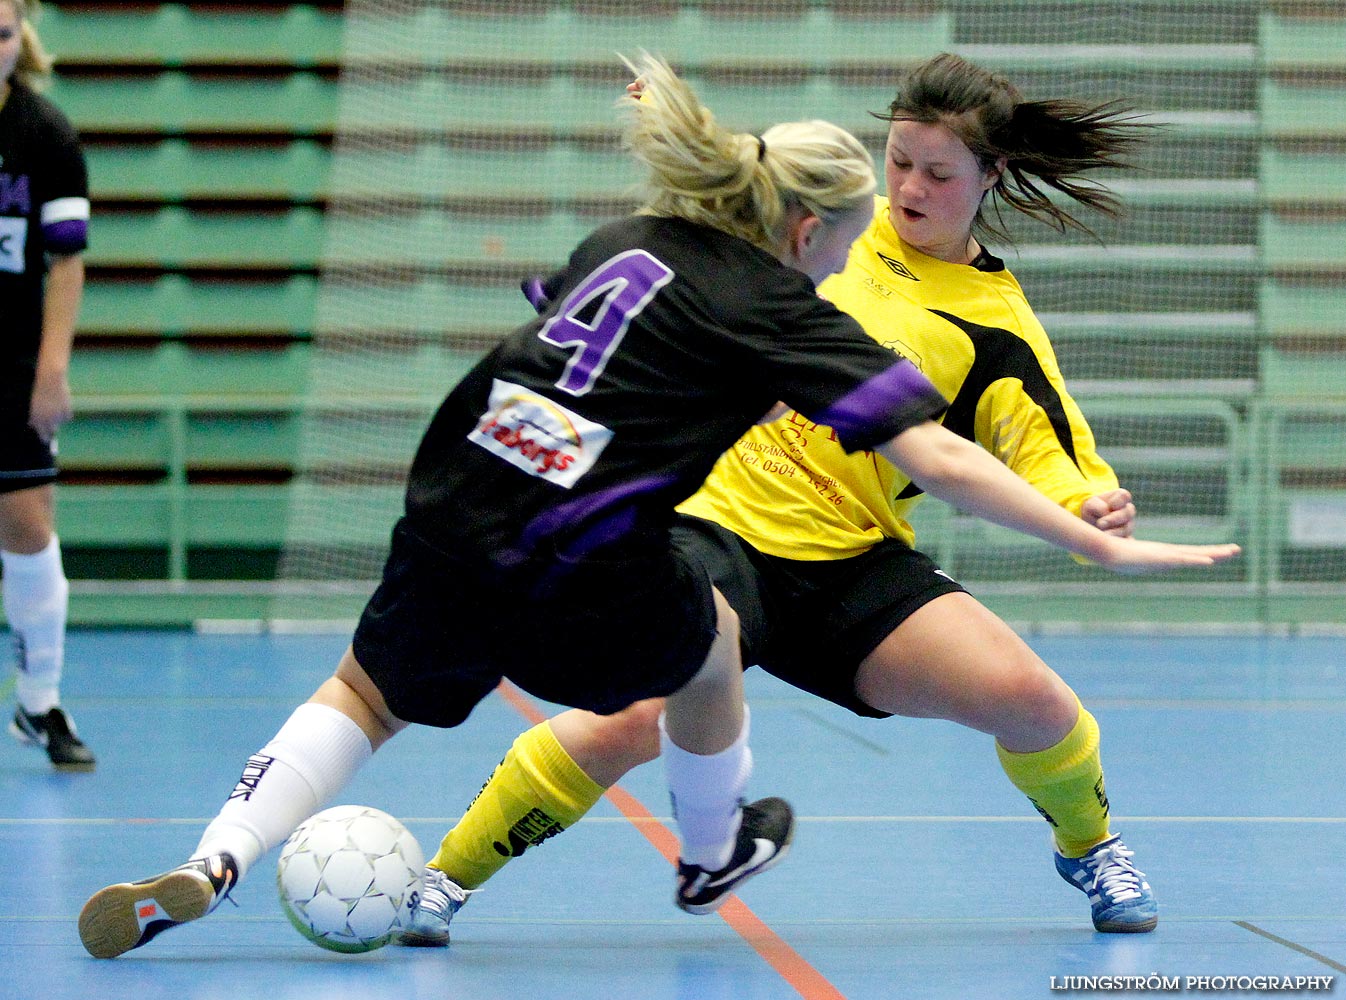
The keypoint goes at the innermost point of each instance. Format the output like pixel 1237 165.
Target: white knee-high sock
pixel 313 756
pixel 706 789
pixel 36 597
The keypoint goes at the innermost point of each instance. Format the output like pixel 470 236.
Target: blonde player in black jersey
pixel 813 547
pixel 536 541
pixel 44 216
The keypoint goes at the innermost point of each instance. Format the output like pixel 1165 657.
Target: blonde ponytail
pixel 737 182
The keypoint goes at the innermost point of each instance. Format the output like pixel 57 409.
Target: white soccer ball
pixel 348 877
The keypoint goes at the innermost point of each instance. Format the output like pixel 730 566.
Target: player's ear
pixel 992 176
pixel 803 231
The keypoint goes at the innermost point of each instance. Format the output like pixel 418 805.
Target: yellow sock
pixel 1065 784
pixel 536 792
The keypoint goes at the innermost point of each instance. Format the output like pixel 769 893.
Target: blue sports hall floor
pixel 917 870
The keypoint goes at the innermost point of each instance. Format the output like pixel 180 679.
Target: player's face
pixel 824 252
pixel 9 42
pixel 935 186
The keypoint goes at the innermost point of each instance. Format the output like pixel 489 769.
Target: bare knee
pixel 635 730
pixel 352 693
pixel 26 520
pixel 1037 709
pixel 606 747
pixel 721 676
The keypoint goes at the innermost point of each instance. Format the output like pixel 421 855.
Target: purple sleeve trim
pixel 535 294
pixel 883 406
pixel 68 236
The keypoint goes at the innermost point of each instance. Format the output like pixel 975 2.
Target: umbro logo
pixel 897 267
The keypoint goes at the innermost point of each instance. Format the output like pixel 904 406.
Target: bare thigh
pixel 953 659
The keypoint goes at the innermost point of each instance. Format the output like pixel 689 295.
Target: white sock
pixel 706 789
pixel 314 756
pixel 36 596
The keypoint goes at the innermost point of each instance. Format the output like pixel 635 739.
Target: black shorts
pixel 811 623
pixel 25 459
pixel 440 632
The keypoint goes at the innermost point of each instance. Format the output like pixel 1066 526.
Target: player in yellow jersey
pixel 813 547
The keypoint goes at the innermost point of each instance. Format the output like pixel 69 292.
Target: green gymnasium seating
pixel 1304 219
pixel 1299 111
pixel 1304 471
pixel 1302 241
pixel 177 368
pixel 290 36
pixel 176 237
pixel 182 101
pixel 1300 413
pixel 149 305
pixel 1311 40
pixel 209 129
pixel 168 170
pixel 758 35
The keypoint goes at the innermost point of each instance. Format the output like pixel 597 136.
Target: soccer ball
pixel 348 877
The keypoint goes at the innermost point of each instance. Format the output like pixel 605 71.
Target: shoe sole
pixel 702 908
pixel 27 739
pixel 109 924
pixel 408 939
pixel 84 766
pixel 1121 928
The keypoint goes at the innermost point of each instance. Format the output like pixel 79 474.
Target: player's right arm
pixel 961 473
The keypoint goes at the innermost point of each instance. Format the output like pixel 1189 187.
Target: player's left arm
pixel 51 404
pixel 64 220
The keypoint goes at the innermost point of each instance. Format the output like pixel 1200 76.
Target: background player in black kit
pixel 44 216
pixel 535 542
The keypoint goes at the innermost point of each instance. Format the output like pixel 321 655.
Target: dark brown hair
pixel 1045 143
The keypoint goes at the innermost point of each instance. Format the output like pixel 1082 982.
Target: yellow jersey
pixel 790 490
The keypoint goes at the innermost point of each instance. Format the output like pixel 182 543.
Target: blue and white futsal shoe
pixel 1118 893
pixel 441 897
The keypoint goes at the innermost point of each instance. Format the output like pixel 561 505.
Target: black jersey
pixel 663 342
pixel 44 209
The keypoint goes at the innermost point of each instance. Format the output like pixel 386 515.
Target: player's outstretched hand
pixel 1133 556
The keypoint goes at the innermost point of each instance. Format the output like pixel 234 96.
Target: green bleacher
pixel 210 132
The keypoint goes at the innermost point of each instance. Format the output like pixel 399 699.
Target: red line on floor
pixel 807 981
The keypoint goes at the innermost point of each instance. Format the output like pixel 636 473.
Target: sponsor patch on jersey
pixel 13 241
pixel 539 436
pixel 878 288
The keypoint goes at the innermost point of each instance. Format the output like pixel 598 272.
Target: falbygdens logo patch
pixel 539 435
